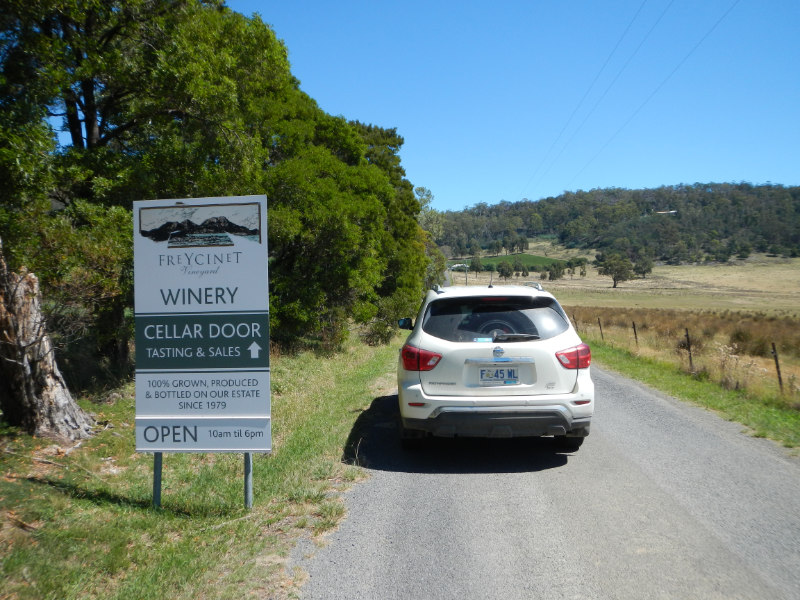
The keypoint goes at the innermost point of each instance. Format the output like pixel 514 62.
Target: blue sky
pixel 526 99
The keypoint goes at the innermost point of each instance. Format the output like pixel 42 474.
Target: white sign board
pixel 202 325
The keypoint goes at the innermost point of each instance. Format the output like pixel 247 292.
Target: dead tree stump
pixel 33 394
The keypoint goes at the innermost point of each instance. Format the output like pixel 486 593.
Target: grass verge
pixel 79 523
pixel 764 417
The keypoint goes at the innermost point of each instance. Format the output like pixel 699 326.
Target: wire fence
pixel 709 352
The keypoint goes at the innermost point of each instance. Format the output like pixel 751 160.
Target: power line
pixel 586 93
pixel 610 85
pixel 655 91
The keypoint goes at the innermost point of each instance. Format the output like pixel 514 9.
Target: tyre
pixel 569 444
pixel 410 439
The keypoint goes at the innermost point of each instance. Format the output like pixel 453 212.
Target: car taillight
pixel 417 359
pixel 577 357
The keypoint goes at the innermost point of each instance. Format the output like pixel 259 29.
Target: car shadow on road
pixel 374 443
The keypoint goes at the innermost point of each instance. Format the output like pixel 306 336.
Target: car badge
pixel 498 352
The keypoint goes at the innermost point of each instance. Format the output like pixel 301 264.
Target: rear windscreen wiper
pixel 514 337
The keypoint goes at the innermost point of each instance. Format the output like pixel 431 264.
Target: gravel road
pixel 664 500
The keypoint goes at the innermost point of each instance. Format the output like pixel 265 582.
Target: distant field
pixel 759 284
pixel 734 311
pixel 529 260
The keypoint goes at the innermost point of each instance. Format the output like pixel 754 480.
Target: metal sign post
pixel 248 480
pixel 202 328
pixel 157 468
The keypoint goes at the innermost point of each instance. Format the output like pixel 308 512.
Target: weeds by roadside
pixel 763 418
pixel 720 375
pixel 716 342
pixel 79 523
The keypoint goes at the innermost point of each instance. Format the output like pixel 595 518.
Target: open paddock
pixel 733 312
pixel 760 284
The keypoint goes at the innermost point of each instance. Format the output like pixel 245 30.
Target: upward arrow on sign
pixel 255 350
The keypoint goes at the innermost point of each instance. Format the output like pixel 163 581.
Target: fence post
pixel 777 367
pixel 575 322
pixel 689 348
pixel 635 335
pixel 601 329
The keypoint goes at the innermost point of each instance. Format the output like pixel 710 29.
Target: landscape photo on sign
pixel 200 226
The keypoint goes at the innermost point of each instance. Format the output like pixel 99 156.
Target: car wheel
pixel 569 443
pixel 410 439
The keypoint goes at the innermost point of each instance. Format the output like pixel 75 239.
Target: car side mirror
pixel 405 323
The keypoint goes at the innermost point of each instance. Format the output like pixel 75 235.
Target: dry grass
pixel 716 355
pixel 760 284
pixel 78 522
pixel 734 313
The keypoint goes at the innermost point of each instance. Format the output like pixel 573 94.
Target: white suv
pixel 494 362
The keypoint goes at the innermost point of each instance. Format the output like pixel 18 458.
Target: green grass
pixel 80 524
pixel 769 418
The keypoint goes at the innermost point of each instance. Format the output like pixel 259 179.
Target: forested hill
pixel 682 223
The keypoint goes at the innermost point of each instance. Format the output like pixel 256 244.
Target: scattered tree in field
pixel 518 266
pixel 475 265
pixel 643 265
pixel 555 270
pixel 505 269
pixel 578 264
pixel 616 266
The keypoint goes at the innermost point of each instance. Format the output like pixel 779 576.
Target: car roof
pixel 467 291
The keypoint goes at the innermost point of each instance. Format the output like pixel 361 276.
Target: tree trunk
pixel 33 394
pixel 73 119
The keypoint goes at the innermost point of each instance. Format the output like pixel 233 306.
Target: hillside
pixel 674 224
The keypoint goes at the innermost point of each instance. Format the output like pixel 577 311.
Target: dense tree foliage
pixel 614 265
pixel 673 223
pixel 185 98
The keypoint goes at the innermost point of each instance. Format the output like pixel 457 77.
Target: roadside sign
pixel 202 325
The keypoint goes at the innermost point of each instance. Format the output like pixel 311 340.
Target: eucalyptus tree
pixel 182 98
pixel 149 109
pixel 475 265
pixel 430 219
pixel 505 269
pixel 616 266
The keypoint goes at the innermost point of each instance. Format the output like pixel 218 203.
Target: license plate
pixel 499 376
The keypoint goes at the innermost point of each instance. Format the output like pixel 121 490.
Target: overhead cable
pixel 655 91
pixel 583 98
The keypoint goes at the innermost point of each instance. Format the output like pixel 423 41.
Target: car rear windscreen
pixel 481 319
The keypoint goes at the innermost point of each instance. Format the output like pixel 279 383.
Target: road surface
pixel 664 500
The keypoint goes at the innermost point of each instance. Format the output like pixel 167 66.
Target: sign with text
pixel 202 325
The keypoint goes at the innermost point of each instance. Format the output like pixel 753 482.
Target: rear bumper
pixel 497 416
pixel 490 422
